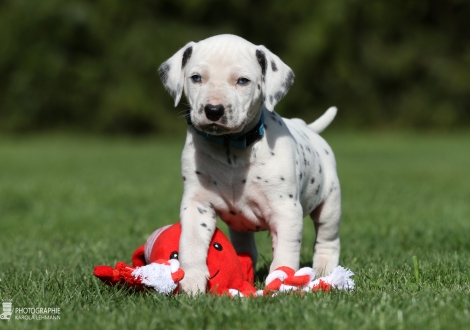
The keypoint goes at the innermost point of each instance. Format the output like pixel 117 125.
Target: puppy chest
pixel 243 220
pixel 240 204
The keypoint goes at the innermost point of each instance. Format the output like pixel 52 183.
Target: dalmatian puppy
pixel 244 163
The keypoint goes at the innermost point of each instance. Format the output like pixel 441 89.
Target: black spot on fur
pixel 272 153
pixel 201 210
pixel 271 99
pixel 300 176
pixel 215 182
pixel 232 212
pixel 259 87
pixel 320 168
pixel 289 81
pixel 280 196
pixel 244 181
pixel 184 178
pixel 203 224
pixel 261 57
pixel 290 196
pixel 318 190
pixel 258 177
pixel 312 180
pixel 279 95
pixel 186 56
pixel 282 178
pixel 273 66
pixel 163 72
pixel 198 173
pixel 213 215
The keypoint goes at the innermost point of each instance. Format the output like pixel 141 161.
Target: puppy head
pixel 226 79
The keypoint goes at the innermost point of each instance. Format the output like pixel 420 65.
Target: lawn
pixel 68 203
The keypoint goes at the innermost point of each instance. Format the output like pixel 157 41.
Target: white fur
pixel 321 123
pixel 271 185
pixel 339 279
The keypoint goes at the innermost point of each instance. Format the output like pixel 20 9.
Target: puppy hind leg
pixel 244 242
pixel 327 218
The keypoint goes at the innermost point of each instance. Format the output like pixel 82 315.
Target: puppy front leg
pixel 198 222
pixel 286 234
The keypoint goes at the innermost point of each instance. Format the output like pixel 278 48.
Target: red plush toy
pixel 155 265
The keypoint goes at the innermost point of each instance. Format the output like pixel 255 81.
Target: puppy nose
pixel 214 112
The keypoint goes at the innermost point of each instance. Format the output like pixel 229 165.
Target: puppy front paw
pixel 194 282
pixel 324 264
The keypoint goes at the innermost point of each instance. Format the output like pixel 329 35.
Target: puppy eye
pixel 196 78
pixel 242 81
pixel 217 246
pixel 174 255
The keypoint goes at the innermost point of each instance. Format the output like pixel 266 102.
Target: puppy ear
pixel 172 73
pixel 277 77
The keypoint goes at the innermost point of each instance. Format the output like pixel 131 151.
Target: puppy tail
pixel 321 123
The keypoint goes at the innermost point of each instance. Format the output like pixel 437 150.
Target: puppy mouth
pixel 215 129
pixel 217 272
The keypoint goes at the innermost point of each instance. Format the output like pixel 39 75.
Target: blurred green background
pixel 91 66
pixel 70 200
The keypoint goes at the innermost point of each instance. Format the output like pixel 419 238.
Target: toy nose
pixel 214 112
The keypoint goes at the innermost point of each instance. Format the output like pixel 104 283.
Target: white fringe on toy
pixel 157 276
pixel 339 279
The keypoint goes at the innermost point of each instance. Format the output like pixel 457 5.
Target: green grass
pixel 70 203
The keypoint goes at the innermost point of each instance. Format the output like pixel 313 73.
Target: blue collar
pixel 234 141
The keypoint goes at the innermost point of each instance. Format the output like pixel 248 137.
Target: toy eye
pixel 242 81
pixel 217 246
pixel 174 255
pixel 196 78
